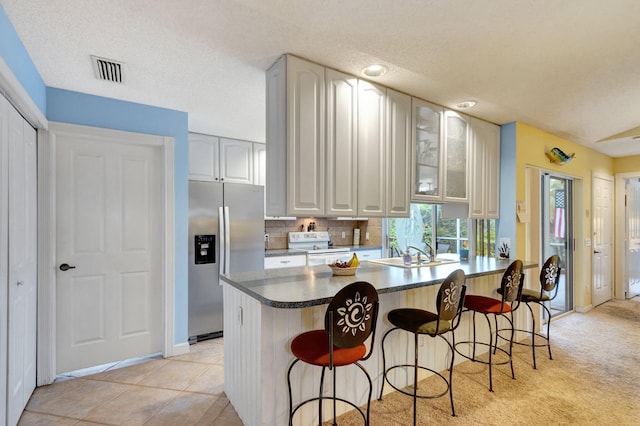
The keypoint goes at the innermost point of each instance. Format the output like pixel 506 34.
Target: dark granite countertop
pixel 305 286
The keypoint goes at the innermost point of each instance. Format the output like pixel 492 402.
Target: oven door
pixel 327 257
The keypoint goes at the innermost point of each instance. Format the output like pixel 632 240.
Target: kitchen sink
pixel 397 261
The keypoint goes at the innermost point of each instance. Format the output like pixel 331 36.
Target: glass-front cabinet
pixel 427 155
pixel 455 157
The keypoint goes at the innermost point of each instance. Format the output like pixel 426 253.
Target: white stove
pixel 316 244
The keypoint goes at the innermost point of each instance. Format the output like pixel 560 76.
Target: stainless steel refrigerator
pixel 226 234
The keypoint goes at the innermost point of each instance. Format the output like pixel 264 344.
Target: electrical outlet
pixel 344 234
pixel 366 236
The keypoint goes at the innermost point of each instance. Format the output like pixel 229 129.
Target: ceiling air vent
pixel 108 69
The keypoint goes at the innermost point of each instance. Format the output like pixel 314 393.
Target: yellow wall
pixel 627 164
pixel 531 145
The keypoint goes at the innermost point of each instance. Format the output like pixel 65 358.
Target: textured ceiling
pixel 571 67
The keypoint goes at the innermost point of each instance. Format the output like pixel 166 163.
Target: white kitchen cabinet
pixel 398 164
pixel 203 157
pixel 295 138
pixel 426 170
pixel 273 262
pixel 341 144
pixel 337 146
pixel 215 159
pixel 236 161
pixel 484 181
pixel 440 154
pixel 372 173
pixel 367 254
pixel 259 164
pixel 456 131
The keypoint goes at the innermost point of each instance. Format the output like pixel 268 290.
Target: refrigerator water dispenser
pixel 205 249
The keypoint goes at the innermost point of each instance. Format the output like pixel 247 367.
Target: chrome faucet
pixel 430 255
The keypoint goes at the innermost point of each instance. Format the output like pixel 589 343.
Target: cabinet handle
pixel 20 282
pixel 285 261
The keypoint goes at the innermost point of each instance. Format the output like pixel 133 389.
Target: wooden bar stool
pixel 549 278
pixel 511 292
pixel 350 319
pixel 449 304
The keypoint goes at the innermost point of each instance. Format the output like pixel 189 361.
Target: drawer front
pixel 284 261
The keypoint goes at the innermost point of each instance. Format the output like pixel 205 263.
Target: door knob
pixel 66 267
pixel 596 252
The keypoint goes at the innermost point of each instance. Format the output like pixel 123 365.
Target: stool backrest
pixel 550 273
pixel 512 282
pixel 451 295
pixel 352 314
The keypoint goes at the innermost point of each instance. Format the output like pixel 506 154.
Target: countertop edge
pixel 324 300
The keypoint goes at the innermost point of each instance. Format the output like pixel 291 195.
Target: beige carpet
pixel 593 379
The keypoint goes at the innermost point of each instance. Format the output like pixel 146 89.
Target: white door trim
pixel 47 274
pixel 620 278
pixel 19 98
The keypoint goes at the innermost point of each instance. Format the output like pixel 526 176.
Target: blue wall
pixel 507 222
pixel 12 51
pixel 95 111
pixel 78 108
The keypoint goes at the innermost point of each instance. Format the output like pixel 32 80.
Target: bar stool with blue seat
pixel 349 321
pixel 511 292
pixel 549 279
pixel 449 302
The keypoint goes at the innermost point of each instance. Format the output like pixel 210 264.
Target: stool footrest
pixel 544 343
pixel 471 358
pixel 402 390
pixel 329 398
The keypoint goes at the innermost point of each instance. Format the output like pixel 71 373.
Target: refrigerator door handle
pixel 227 240
pixel 221 220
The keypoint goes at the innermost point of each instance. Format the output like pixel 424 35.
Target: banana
pixel 353 262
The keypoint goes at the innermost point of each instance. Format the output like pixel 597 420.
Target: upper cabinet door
pixel 398 154
pixel 492 174
pixel 203 158
pixel 306 137
pixel 372 173
pixel 426 178
pixel 484 170
pixel 455 156
pixel 236 161
pixel 342 144
pixel 259 164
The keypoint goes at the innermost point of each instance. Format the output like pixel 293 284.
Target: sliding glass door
pixel 557 235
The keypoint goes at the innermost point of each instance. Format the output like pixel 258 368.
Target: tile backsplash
pixel 279 229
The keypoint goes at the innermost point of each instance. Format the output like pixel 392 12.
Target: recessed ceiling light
pixel 466 104
pixel 375 70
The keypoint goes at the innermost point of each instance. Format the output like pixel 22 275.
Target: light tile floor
pixel 182 390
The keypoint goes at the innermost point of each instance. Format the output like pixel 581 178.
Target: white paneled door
pixel 602 239
pixel 19 140
pixel 110 224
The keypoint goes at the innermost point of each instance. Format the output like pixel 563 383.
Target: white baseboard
pixel 179 349
pixel 584 309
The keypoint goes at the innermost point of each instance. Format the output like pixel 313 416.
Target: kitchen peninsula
pixel 264 310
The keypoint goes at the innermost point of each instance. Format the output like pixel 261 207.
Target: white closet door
pixel 4 228
pixel 22 265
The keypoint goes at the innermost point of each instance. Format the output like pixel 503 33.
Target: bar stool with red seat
pixel 511 292
pixel 350 320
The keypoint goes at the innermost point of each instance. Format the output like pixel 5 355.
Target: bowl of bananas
pixel 345 268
